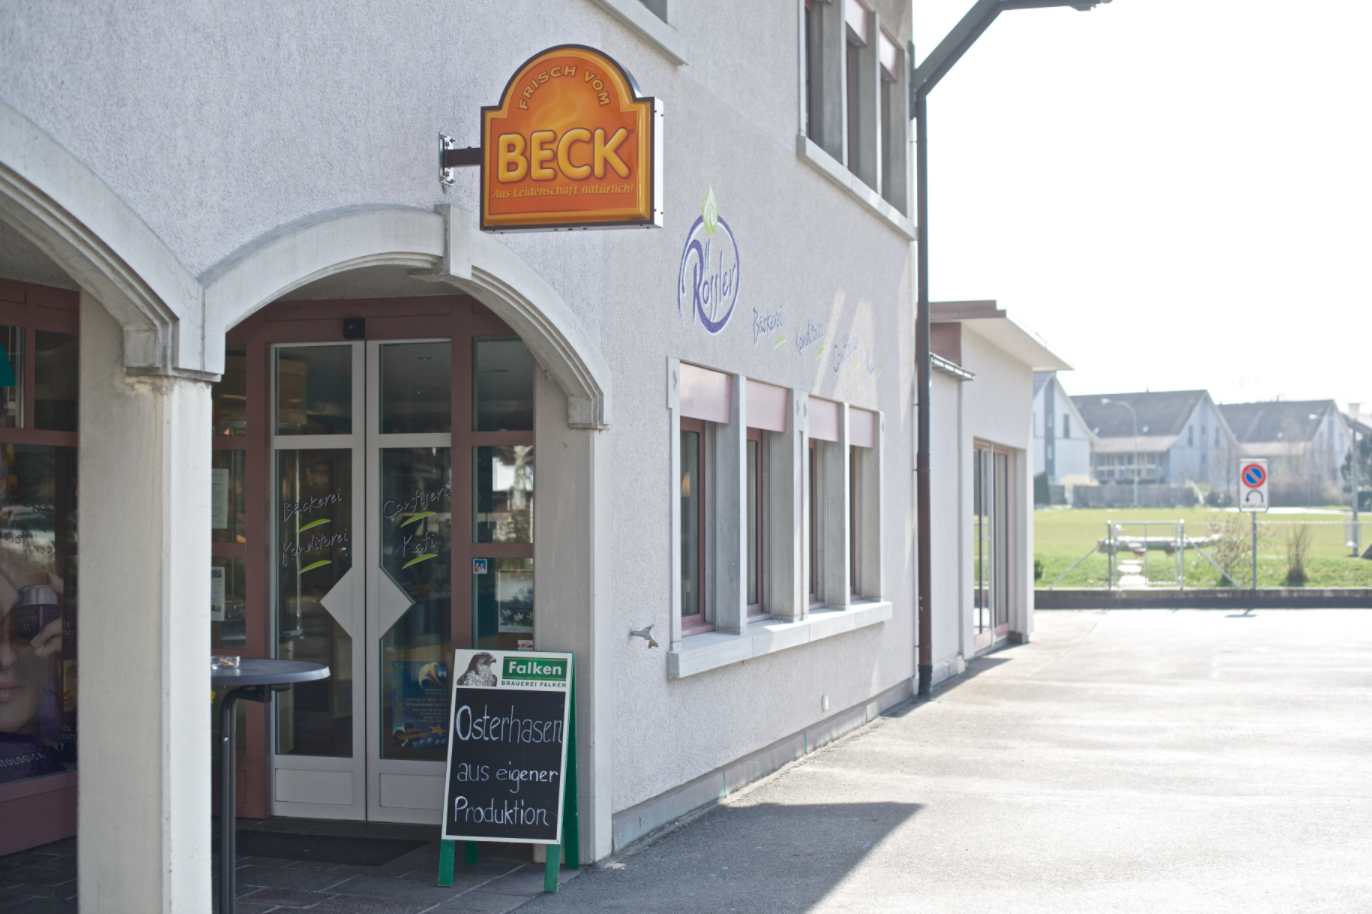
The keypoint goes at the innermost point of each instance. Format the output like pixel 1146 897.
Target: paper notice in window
pixel 219 499
pixel 217 594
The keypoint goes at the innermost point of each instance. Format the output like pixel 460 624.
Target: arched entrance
pixel 419 279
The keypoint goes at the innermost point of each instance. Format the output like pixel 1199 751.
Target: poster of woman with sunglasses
pixel 37 630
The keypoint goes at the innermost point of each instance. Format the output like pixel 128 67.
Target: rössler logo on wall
pixel 707 284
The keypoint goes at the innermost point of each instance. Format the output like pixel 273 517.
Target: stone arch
pixel 442 246
pixel 67 211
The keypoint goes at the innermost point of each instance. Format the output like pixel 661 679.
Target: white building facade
pixel 240 307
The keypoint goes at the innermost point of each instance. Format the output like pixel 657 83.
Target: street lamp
pixel 1105 401
pixel 925 78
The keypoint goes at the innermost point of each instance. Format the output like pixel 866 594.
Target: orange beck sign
pixel 572 145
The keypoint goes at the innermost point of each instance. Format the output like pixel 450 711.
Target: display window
pixel 39 361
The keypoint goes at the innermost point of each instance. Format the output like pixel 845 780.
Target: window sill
pixel 713 650
pixel 834 170
pixel 644 23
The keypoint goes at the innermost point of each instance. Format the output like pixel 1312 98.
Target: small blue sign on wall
pixel 478 566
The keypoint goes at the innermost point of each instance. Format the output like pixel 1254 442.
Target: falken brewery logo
pixel 535 668
pixel 707 284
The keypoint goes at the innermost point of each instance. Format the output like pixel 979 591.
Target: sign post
pixel 1253 499
pixel 512 729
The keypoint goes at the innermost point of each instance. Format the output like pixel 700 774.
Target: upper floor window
pixel 658 8
pixel 855 89
pixel 1067 425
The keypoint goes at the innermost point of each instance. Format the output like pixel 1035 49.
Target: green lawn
pixel 1061 537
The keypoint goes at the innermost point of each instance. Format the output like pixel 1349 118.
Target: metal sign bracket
pixel 452 157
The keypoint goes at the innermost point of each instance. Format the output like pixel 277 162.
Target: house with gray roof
pixel 1304 441
pixel 1062 440
pixel 1166 437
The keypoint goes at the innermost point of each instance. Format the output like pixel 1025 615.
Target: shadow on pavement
pixel 754 858
pixel 975 667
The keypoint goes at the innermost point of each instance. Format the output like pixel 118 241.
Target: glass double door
pixel 991 545
pixel 364 578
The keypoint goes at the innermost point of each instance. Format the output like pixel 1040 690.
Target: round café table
pixel 251 680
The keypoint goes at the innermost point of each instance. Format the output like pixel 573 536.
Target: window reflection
pixel 227 471
pixel 416 388
pixel 692 604
pixel 228 602
pixel 314 551
pixel 503 497
pixel 502 385
pixel 55 381
pixel 314 390
pixel 11 377
pixel 416 555
pixel 753 520
pixel 229 396
pixel 503 604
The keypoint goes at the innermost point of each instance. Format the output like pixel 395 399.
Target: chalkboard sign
pixel 507 746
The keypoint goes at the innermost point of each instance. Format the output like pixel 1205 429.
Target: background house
pixel 1181 438
pixel 1062 440
pixel 1305 441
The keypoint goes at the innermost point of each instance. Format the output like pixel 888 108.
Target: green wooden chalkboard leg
pixel 447 851
pixel 571 831
pixel 552 867
pixel 470 852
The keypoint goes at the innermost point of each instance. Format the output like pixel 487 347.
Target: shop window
pixel 38 535
pixel 694 605
pixel 502 501
pixel 503 493
pixel 853 515
pixel 502 385
pixel 827 469
pixel 754 534
pixel 314 530
pixel 11 377
pixel 314 390
pixel 767 462
pixel 813 515
pixel 864 503
pixel 229 396
pixel 416 388
pixel 56 363
pixel 228 506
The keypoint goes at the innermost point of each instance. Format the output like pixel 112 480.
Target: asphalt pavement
pixel 1145 760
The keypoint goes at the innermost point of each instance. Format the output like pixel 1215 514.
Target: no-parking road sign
pixel 1253 485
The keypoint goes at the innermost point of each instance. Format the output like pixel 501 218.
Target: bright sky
pixel 1174 193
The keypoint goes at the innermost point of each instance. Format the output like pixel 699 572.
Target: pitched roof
pixel 1040 379
pixel 1277 420
pixel 1159 414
